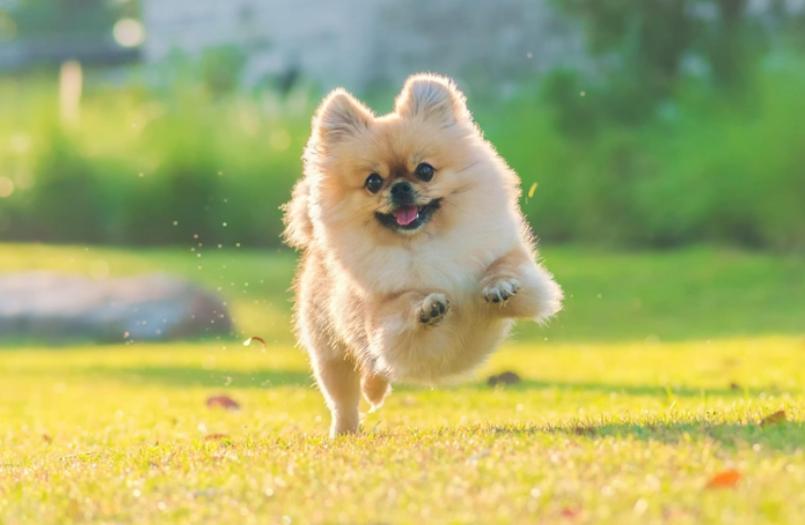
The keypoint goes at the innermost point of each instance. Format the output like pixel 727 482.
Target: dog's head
pixel 396 173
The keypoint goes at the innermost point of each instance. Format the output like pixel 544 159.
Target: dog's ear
pixel 341 115
pixel 432 97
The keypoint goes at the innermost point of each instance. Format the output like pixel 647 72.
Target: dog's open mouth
pixel 408 218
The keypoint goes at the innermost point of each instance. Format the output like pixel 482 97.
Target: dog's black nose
pixel 402 193
pixel 401 188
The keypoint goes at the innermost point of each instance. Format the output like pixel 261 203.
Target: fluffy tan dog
pixel 416 257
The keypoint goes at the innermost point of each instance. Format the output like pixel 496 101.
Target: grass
pixel 622 416
pixel 696 293
pixel 123 436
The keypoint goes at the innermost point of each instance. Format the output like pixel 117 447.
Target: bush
pixel 155 168
pixel 707 168
pixel 148 169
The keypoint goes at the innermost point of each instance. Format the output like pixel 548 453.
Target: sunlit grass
pixel 618 433
pixel 653 379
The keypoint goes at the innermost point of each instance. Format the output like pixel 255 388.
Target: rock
pixel 56 307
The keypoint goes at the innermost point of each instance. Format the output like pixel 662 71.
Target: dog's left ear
pixel 432 97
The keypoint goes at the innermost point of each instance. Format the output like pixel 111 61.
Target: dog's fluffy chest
pixel 449 265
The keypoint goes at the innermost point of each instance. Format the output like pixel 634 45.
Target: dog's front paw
pixel 501 291
pixel 434 308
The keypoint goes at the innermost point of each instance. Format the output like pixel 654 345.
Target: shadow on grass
pixel 631 390
pixel 198 377
pixel 268 378
pixel 785 436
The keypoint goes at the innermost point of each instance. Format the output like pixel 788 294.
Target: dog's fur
pixel 375 304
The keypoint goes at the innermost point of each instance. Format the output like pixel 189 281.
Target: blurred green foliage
pixel 150 166
pixel 704 168
pixel 644 49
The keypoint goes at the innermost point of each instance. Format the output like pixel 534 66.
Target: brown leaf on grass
pixel 735 386
pixel 255 338
pixel 584 431
pixel 215 437
pixel 506 378
pixel 773 419
pixel 47 438
pixel 724 479
pixel 222 402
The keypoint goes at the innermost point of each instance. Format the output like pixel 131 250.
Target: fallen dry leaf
pixel 506 378
pixel 214 437
pixel 47 438
pixel 255 338
pixel 584 431
pixel 569 513
pixel 222 402
pixel 724 479
pixel 735 386
pixel 773 419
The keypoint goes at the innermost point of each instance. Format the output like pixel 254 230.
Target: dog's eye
pixel 374 182
pixel 424 172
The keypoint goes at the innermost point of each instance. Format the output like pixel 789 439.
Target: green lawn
pixel 633 403
pixel 697 293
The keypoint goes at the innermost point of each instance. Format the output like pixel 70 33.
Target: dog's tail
pixel 298 226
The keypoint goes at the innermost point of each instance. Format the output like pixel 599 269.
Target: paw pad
pixel 501 291
pixel 434 308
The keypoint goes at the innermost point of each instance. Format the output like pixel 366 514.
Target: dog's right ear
pixel 340 116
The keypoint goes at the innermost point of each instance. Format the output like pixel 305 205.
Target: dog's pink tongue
pixel 405 215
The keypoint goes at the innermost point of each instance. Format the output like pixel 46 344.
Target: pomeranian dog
pixel 416 258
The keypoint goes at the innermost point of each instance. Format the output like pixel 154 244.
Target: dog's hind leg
pixel 375 389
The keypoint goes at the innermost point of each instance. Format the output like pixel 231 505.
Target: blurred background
pixel 660 142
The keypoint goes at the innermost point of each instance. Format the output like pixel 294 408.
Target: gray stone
pixel 56 307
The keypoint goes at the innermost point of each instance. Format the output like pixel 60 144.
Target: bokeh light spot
pixel 129 32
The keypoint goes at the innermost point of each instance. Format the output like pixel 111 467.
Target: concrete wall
pixel 361 43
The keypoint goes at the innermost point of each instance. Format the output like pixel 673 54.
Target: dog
pixel 416 258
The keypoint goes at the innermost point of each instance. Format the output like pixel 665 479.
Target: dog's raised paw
pixel 501 291
pixel 434 308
